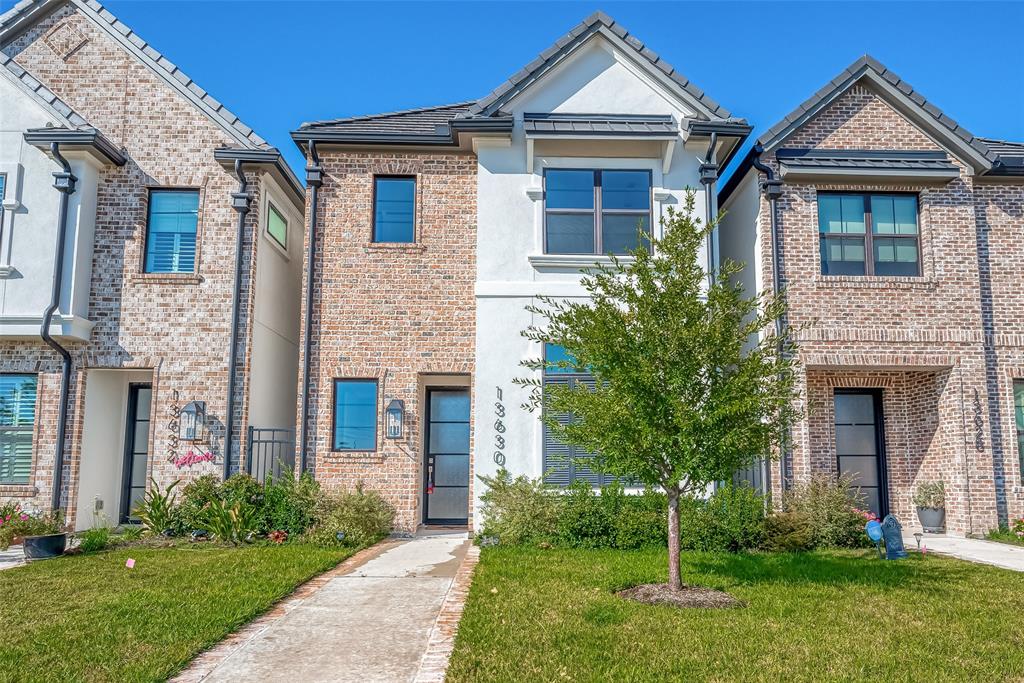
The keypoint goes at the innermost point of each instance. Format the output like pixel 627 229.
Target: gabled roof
pixel 598 22
pixel 420 121
pixel 55 106
pixel 27 13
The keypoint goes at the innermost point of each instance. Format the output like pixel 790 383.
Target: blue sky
pixel 277 64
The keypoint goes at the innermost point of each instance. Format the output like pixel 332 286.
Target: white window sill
pixel 572 261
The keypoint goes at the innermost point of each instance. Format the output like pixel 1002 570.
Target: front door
pixel 860 445
pixel 446 471
pixel 136 449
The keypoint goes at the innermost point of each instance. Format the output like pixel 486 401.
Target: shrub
pixel 642 521
pixel 195 497
pixel 586 519
pixel 519 511
pixel 95 539
pixel 931 494
pixel 787 532
pixel 231 523
pixel 157 509
pixel 363 517
pixel 830 507
pixel 290 504
pixel 732 519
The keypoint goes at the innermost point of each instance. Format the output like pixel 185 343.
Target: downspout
pixel 708 176
pixel 314 178
pixel 240 203
pixel 772 189
pixel 64 181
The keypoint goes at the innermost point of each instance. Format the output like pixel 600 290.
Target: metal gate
pixel 271 452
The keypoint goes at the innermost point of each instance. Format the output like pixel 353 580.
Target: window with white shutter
pixel 17 424
pixel 171 231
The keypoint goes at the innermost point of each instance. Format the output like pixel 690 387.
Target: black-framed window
pixel 17 424
pixel 394 209
pixel 596 212
pixel 277 226
pixel 869 234
pixel 1018 410
pixel 355 415
pixel 171 228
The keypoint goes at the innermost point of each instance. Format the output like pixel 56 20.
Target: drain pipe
pixel 240 203
pixel 772 189
pixel 708 176
pixel 64 181
pixel 314 178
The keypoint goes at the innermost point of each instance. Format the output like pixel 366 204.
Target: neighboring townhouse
pixel 897 237
pixel 433 229
pixel 151 243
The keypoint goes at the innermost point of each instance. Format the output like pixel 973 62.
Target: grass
pixel 550 615
pixel 1004 536
pixel 90 618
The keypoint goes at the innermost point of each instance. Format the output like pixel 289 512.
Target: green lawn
pixel 90 618
pixel 550 615
pixel 1005 536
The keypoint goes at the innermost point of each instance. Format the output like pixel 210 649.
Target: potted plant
pixel 42 535
pixel 930 499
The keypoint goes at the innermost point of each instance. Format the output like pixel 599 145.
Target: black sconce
pixel 394 419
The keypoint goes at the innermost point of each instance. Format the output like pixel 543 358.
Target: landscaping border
pixel 434 663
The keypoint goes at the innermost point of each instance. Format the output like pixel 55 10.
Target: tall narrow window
pixel 868 234
pixel 355 415
pixel 1018 408
pixel 17 422
pixel 595 212
pixel 394 209
pixel 171 231
pixel 277 226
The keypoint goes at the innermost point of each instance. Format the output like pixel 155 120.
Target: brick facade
pixel 403 314
pixel 174 325
pixel 943 348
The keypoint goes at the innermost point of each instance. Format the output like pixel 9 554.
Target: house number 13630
pixel 499 428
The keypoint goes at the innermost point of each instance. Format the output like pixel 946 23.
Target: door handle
pixel 430 475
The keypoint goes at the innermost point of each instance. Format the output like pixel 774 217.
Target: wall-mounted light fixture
pixel 394 419
pixel 192 421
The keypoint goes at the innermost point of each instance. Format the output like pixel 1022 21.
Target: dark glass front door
pixel 860 445
pixel 446 500
pixel 136 449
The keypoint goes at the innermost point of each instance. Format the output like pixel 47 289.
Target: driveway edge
pixel 434 664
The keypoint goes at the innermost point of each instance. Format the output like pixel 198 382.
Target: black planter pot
pixel 933 520
pixel 44 547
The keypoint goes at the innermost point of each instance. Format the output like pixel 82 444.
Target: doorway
pixel 446 457
pixel 860 445
pixel 136 449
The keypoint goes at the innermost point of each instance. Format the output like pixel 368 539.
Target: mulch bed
pixel 688 597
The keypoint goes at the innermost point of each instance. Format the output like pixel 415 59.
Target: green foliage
pixel 290 504
pixel 732 519
pixel 195 497
pixel 586 519
pixel 787 532
pixel 519 511
pixel 832 510
pixel 16 523
pixel 930 494
pixel 364 517
pixel 156 511
pixel 640 521
pixel 231 522
pixel 94 540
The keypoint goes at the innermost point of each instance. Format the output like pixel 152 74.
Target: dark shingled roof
pixel 421 121
pixel 600 124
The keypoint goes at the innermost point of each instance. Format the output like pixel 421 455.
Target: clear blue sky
pixel 277 64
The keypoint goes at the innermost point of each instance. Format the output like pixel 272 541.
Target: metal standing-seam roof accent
pixel 866 159
pixel 419 121
pixel 27 12
pixel 56 106
pixel 600 124
pixel 596 22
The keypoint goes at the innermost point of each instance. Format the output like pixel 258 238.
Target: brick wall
pixel 175 325
pixel 395 313
pixel 931 343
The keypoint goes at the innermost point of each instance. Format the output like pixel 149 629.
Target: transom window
pixel 277 226
pixel 171 231
pixel 355 415
pixel 394 209
pixel 1018 409
pixel 596 212
pixel 869 234
pixel 17 423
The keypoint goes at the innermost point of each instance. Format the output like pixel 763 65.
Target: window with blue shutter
pixel 17 424
pixel 171 231
pixel 564 464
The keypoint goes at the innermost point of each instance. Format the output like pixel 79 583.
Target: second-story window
pixel 171 231
pixel 595 212
pixel 868 234
pixel 277 226
pixel 394 209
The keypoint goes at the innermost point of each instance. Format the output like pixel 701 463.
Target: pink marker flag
pixel 130 563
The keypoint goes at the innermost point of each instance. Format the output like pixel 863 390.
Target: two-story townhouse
pixel 896 235
pixel 431 230
pixel 150 266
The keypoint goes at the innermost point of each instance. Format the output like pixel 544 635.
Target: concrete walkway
pixel 972 549
pixel 372 623
pixel 12 557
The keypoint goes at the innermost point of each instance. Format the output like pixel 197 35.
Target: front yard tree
pixel 691 380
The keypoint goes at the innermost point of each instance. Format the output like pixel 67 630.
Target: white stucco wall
pixel 739 236
pixel 511 267
pixel 29 232
pixel 275 342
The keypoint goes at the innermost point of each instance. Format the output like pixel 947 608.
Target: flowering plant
pixel 16 522
pixel 1018 528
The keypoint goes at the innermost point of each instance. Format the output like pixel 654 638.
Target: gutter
pixel 771 187
pixel 240 203
pixel 314 179
pixel 708 176
pixel 64 182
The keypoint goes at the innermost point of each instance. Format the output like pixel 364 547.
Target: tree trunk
pixel 674 578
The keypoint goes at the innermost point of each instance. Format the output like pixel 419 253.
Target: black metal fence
pixel 754 475
pixel 270 452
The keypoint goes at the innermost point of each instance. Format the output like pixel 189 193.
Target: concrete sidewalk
pixel 12 557
pixel 972 549
pixel 372 623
